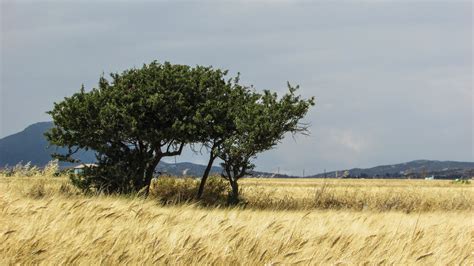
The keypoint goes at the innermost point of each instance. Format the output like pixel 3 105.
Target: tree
pixel 214 117
pixel 142 115
pixel 132 122
pixel 261 122
pixel 217 120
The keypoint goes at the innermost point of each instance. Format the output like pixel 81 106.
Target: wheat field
pixel 43 220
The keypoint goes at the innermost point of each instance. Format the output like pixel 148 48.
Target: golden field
pixel 43 220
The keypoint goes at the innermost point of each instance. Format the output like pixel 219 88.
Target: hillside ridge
pixel 30 145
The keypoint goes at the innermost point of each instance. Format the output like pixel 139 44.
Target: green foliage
pixel 217 121
pixel 261 122
pixel 461 181
pixel 132 121
pixel 142 115
pixel 108 179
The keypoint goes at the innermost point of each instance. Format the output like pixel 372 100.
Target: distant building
pixel 80 168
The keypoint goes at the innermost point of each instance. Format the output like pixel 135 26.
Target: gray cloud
pixel 393 80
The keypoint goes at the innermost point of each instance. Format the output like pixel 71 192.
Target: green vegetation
pixel 143 115
pixel 461 181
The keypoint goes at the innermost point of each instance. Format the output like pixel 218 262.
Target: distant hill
pixel 185 169
pixel 413 169
pixel 30 145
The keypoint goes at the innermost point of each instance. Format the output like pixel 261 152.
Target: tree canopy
pixel 261 122
pixel 141 115
pixel 134 120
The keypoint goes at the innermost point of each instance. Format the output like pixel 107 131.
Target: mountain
pixel 413 169
pixel 185 169
pixel 30 145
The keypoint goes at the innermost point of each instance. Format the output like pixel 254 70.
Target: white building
pixel 80 168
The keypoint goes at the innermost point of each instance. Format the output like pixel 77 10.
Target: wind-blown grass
pixel 59 226
pixel 369 194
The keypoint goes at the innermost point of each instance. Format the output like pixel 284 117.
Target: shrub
pixel 172 190
pixel 461 181
pixel 215 191
pixel 169 190
pixel 107 179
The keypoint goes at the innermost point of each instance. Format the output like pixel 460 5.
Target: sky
pixel 393 80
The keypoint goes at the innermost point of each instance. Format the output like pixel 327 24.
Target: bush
pixel 107 179
pixel 461 181
pixel 215 191
pixel 172 190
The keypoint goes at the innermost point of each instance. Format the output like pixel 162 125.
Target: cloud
pixel 348 140
pixel 392 80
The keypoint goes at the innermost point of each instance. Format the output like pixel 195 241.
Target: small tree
pixel 216 120
pixel 261 121
pixel 132 122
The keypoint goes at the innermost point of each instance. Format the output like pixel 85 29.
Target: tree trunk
pixel 149 173
pixel 205 175
pixel 234 193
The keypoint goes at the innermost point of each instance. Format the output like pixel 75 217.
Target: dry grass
pixel 366 194
pixel 44 221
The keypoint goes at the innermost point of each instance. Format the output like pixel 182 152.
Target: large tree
pixel 132 121
pixel 261 122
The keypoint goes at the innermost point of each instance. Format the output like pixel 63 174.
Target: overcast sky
pixel 393 80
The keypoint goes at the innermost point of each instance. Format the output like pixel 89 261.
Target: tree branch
pixel 174 153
